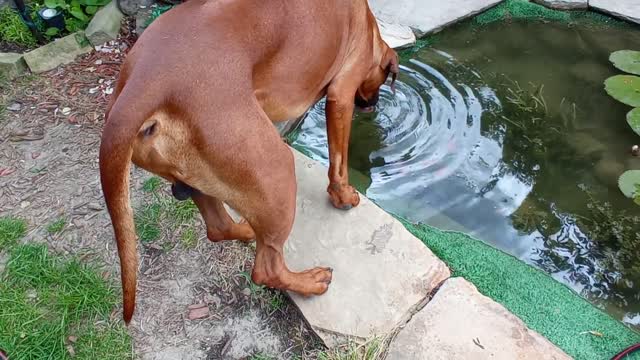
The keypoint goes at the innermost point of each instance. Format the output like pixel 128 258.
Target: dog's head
pixel 369 91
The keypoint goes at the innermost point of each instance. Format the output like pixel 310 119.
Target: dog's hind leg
pixel 220 225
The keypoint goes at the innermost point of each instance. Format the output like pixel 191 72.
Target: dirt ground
pixel 50 128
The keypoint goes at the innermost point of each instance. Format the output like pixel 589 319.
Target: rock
pixel 131 7
pixel 625 9
pixel 105 25
pixel 59 52
pixel 461 323
pixel 14 107
pixel 142 17
pixel 12 65
pixel 564 4
pixel 4 3
pixel 427 16
pixel 381 271
pixel 395 35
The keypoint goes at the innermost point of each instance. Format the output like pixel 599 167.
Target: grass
pixel 372 349
pixel 160 211
pixel 11 230
pixel 57 226
pixel 54 308
pixel 14 30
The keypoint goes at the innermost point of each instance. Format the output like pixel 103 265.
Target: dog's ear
pixel 391 63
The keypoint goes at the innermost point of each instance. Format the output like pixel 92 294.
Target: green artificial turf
pixel 544 304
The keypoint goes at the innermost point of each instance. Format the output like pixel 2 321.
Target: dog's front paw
pixel 343 197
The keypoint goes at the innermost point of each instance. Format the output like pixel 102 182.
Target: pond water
pixel 505 132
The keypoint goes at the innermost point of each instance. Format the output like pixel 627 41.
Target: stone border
pixel 104 27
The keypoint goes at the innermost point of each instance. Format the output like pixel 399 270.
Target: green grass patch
pixel 189 237
pixel 11 230
pixel 161 211
pixel 147 222
pixel 544 304
pixel 57 226
pixel 152 184
pixel 45 301
pixel 13 29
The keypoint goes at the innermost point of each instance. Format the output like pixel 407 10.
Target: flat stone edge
pixel 457 281
pixel 83 48
pixel 439 275
pixel 12 65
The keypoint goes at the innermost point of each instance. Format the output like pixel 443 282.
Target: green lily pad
pixel 624 88
pixel 627 61
pixel 633 119
pixel 628 181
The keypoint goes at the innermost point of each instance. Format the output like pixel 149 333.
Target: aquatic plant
pixel 626 89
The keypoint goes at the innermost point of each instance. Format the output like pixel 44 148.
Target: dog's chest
pixel 281 108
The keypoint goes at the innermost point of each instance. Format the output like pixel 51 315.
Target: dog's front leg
pixel 339 111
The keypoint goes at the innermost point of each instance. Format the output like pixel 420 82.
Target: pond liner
pixel 626 352
pixel 544 304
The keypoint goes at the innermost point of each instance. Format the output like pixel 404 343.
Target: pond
pixel 505 132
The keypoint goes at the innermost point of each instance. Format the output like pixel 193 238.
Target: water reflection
pixel 438 153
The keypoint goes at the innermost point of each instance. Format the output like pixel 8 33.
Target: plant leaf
pixel 626 60
pixel 91 9
pixel 624 88
pixel 54 4
pixel 628 181
pixel 52 31
pixel 78 14
pixel 633 119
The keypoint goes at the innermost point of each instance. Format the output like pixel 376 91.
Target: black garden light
pixel 53 18
pixel 27 20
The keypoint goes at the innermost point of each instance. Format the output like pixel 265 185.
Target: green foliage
pixel 633 119
pixel 624 88
pixel 77 13
pixel 11 230
pixel 57 226
pixel 627 61
pixel 618 231
pixel 157 12
pixel 152 184
pixel 148 222
pixel 14 30
pixel 628 182
pixel 45 300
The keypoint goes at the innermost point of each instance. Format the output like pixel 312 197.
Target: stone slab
pixel 381 271
pixel 395 35
pixel 12 65
pixel 461 323
pixel 105 24
pixel 624 9
pixel 62 51
pixel 564 4
pixel 427 16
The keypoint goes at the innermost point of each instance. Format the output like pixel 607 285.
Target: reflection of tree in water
pixel 596 249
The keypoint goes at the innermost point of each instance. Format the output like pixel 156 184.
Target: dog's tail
pixel 123 122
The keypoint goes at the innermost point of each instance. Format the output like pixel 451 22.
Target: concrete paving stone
pixel 381 271
pixel 564 4
pixel 461 323
pixel 58 52
pixel 427 16
pixel 12 65
pixel 624 9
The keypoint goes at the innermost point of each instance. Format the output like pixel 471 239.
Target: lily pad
pixel 624 88
pixel 633 119
pixel 627 61
pixel 628 181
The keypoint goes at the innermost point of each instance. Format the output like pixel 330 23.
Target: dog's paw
pixel 313 282
pixel 343 197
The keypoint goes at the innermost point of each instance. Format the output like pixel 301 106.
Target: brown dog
pixel 195 104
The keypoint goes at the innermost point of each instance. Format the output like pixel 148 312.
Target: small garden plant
pixel 13 30
pixel 626 89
